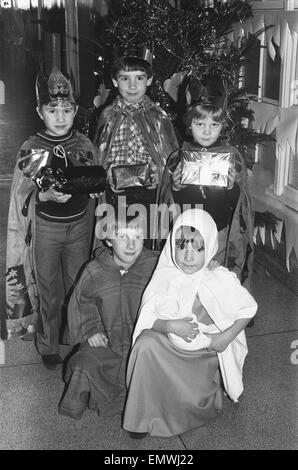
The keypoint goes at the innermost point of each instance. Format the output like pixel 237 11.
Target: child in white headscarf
pixel 172 299
pixel 190 327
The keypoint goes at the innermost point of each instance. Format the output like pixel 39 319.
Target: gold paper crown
pixel 210 89
pixel 56 87
pixel 141 51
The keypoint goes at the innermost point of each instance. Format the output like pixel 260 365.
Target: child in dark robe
pixel 101 317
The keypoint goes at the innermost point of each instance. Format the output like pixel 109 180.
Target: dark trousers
pixel 60 250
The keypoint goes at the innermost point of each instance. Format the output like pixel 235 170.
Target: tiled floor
pixel 266 416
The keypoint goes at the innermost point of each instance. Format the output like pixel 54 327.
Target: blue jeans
pixel 60 250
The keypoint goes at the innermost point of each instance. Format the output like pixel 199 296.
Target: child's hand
pixel 99 339
pixel 213 264
pixel 94 195
pixel 52 195
pixel 186 328
pixel 219 341
pixel 176 178
pixel 154 178
pixel 111 183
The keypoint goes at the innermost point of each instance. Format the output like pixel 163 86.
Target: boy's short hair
pixel 118 218
pixel 130 64
pixel 59 102
pixel 201 111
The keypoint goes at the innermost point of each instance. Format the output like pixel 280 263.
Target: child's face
pixel 58 119
pixel 132 86
pixel 205 131
pixel 127 244
pixel 189 250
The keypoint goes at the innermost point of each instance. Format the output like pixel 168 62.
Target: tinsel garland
pixel 188 36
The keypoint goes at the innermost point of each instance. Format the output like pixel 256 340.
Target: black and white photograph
pixel 149 228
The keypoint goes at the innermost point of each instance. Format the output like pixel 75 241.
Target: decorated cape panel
pixel 21 291
pixel 154 124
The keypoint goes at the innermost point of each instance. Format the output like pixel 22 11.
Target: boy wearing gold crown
pixel 48 230
pixel 135 137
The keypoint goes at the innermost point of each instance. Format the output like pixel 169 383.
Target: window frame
pixel 288 98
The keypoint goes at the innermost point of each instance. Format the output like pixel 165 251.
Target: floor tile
pixel 266 416
pixel 29 416
pixel 277 305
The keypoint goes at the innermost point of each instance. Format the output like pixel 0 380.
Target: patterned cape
pixel 21 290
pixel 240 247
pixel 154 124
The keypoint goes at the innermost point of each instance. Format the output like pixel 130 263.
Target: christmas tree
pixel 189 38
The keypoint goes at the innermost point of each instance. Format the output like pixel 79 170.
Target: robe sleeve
pixel 147 312
pixel 233 302
pixel 21 294
pixel 146 317
pixel 83 315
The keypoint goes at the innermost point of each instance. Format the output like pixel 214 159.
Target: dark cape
pixel 239 250
pixel 103 301
pixel 22 299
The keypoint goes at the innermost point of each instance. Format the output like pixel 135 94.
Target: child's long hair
pixel 201 111
pixel 130 64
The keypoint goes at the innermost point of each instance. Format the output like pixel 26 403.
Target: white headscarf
pixel 172 278
pixel 219 291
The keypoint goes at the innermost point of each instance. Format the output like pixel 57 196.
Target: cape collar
pixel 53 138
pixel 191 145
pixel 142 105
